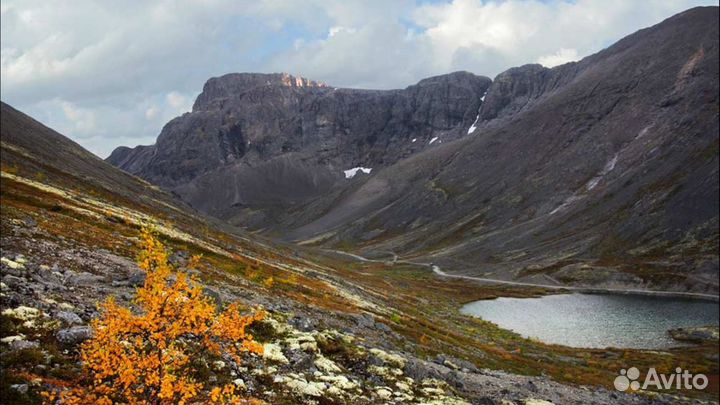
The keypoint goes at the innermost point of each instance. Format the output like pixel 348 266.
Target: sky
pixel 112 73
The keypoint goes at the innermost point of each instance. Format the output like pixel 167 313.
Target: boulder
pixel 74 335
pixel 68 318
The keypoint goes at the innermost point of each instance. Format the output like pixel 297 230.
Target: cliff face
pixel 602 171
pixel 296 136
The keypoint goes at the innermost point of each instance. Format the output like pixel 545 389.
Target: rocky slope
pixel 602 172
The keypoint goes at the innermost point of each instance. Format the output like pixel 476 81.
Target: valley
pixel 462 241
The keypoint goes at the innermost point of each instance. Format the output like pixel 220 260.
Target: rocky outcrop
pixel 698 334
pixel 254 140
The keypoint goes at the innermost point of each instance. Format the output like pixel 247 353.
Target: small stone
pixel 137 279
pixel 326 365
pixel 84 278
pixel 20 388
pixel 22 312
pixel 14 338
pixel 12 264
pixel 69 318
pixel 274 352
pixel 30 222
pixel 23 344
pixel 74 335
pixel 382 327
pixel 532 401
pixel 384 393
pixel 214 295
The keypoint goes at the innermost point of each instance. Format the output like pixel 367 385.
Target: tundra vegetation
pixel 153 355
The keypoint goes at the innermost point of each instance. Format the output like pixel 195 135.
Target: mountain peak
pixel 232 84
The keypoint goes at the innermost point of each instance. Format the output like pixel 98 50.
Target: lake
pixel 597 320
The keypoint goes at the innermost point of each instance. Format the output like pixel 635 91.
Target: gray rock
pixel 697 334
pixel 30 222
pixel 365 320
pixel 214 296
pixel 13 281
pixel 382 327
pixel 20 388
pixel 83 278
pixel 23 344
pixel 302 323
pixel 74 335
pixel 69 318
pixel 137 279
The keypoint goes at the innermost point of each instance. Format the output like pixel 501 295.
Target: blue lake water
pixel 597 320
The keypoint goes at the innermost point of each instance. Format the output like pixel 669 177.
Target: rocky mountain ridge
pixel 601 172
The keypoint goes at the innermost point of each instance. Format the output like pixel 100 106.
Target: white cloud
pixel 82 119
pixel 107 73
pixel 151 113
pixel 563 55
pixel 178 101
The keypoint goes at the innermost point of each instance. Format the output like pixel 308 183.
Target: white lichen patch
pixel 384 393
pixel 300 386
pixel 326 365
pixel 388 358
pixel 279 328
pixel 273 352
pixel 240 383
pixel 301 341
pixel 385 372
pixel 14 338
pixel 15 265
pixel 23 313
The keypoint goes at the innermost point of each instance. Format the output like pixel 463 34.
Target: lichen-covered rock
pixel 23 344
pixel 74 335
pixel 69 318
pixel 388 358
pixel 23 313
pixel 273 352
pixel 532 401
pixel 300 386
pixel 326 365
pixel 12 263
pixel 301 341
pixel 14 338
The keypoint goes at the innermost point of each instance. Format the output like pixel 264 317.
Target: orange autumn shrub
pixel 148 356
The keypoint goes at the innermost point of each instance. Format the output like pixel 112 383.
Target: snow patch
pixel 483 96
pixel 414 139
pixel 432 140
pixel 350 173
pixel 567 203
pixel 643 132
pixel 609 166
pixel 473 127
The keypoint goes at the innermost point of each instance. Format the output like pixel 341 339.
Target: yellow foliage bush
pixel 146 357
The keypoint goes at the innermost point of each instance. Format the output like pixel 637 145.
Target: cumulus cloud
pixel 563 55
pixel 108 73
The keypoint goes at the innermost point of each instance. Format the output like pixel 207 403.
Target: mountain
pixel 278 141
pixel 343 329
pixel 602 172
pixel 338 331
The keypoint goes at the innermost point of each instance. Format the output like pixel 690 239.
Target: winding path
pixel 438 271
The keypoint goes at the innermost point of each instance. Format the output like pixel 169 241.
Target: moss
pixel 25 357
